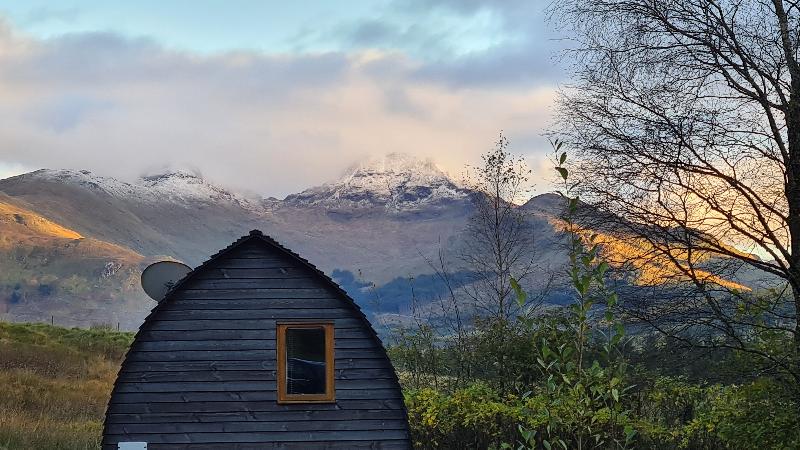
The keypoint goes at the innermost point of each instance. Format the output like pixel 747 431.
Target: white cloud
pixel 273 123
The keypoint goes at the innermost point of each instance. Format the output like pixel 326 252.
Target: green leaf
pixel 522 297
pixel 564 172
pixel 602 268
pixel 615 394
pixel 563 157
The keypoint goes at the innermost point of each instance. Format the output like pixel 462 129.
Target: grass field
pixel 54 384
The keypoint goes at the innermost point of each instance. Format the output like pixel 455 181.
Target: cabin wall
pixel 201 372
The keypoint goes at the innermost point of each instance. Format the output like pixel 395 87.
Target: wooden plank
pixel 278 436
pixel 326 445
pixel 247 407
pixel 255 273
pixel 257 385
pixel 237 355
pixel 256 293
pixel 287 283
pixel 256 427
pixel 268 364
pixel 242 396
pixel 258 263
pixel 256 303
pixel 243 375
pixel 274 416
pixel 201 355
pixel 240 344
pixel 197 375
pixel 253 314
pixel 239 324
pixel 206 345
pixel 247 252
pixel 228 334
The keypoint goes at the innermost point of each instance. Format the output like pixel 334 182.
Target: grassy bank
pixel 55 383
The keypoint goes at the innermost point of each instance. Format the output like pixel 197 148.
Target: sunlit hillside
pixel 54 272
pixel 652 265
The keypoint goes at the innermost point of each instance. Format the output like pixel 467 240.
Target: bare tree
pixel 498 239
pixel 686 118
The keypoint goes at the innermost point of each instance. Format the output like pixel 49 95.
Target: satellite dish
pixel 158 278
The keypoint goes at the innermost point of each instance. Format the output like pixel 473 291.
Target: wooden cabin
pixel 256 349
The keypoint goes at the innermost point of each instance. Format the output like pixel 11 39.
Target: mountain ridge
pixel 396 183
pixel 383 221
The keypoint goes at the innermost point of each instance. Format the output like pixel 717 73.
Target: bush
pixel 473 417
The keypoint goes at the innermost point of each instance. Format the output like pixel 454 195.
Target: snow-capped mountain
pixel 378 222
pixel 395 183
pixel 180 187
pixel 375 210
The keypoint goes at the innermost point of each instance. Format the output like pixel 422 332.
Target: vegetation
pixel 687 122
pixel 686 119
pixel 55 384
pixel 572 378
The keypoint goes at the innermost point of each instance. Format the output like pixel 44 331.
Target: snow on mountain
pixel 178 187
pixel 184 187
pixel 396 182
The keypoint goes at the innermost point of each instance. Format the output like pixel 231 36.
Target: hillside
pixel 56 383
pixel 73 242
pixel 47 269
pixel 387 234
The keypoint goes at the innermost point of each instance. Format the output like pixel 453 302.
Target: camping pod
pixel 256 349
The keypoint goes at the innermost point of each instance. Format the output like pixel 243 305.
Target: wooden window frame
pixel 330 392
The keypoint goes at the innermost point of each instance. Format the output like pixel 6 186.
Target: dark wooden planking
pixel 298 436
pixel 254 304
pixel 246 407
pixel 208 350
pixel 280 273
pixel 256 385
pixel 244 396
pixel 241 344
pixel 252 293
pixel 252 314
pixel 255 427
pixel 284 416
pixel 243 375
pixel 401 444
pixel 228 334
pixel 256 263
pixel 267 364
pixel 239 355
pixel 237 324
pixel 276 284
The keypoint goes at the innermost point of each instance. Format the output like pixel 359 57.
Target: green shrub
pixel 473 417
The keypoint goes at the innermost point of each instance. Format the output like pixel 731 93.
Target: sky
pixel 272 97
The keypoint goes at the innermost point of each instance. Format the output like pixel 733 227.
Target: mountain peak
pixel 172 175
pixel 396 163
pixel 396 182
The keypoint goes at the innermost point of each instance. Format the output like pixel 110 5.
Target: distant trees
pixel 686 117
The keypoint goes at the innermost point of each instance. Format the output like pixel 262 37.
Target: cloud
pixel 462 43
pixel 271 123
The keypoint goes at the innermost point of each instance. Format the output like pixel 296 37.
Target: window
pixel 305 363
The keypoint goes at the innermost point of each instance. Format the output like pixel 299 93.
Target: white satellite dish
pixel 158 278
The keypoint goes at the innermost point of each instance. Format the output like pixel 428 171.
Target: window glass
pixel 305 361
